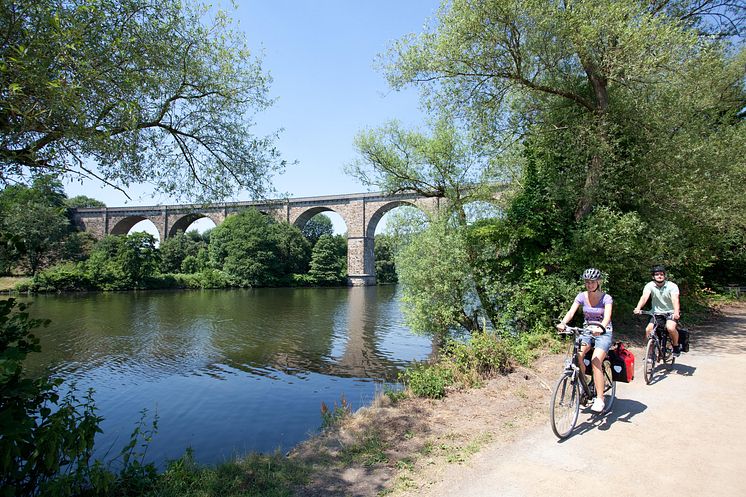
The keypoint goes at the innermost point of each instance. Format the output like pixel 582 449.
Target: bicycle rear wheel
pixel 609 387
pixel 668 357
pixel 650 357
pixel 565 406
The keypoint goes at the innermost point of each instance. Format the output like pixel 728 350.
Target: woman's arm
pixel 568 316
pixel 607 315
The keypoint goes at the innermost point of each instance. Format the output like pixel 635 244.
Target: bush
pixel 428 380
pixel 68 277
pixel 484 355
pixel 43 435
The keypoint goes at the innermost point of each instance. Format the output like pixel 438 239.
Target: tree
pixel 326 265
pixel 384 254
pixel 317 226
pixel 37 215
pixel 82 201
pixel 607 85
pixel 615 121
pixel 132 92
pixel 175 249
pixel 446 164
pixel 123 262
pixel 255 250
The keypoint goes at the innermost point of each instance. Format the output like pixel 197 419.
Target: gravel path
pixel 683 435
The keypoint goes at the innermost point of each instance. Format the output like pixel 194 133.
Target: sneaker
pixel 676 350
pixel 598 405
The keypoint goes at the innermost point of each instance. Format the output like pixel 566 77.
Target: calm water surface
pixel 226 371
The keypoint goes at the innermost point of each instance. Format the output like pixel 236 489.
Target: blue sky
pixel 321 55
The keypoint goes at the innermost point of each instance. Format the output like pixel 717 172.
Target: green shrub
pixel 484 355
pixel 43 435
pixel 428 380
pixel 67 277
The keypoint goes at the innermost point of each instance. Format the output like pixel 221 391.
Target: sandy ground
pixel 682 435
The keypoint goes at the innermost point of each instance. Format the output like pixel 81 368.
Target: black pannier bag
pixel 684 339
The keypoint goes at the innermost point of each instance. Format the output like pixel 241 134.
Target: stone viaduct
pixel 361 213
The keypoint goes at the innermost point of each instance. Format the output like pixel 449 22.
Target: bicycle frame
pixel 657 348
pixel 573 389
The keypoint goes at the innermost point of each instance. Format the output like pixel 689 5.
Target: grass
pixel 368 451
pixel 8 283
pixel 253 476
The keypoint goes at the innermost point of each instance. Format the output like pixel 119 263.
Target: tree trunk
pixel 595 168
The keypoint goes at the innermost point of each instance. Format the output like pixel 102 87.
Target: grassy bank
pixel 8 283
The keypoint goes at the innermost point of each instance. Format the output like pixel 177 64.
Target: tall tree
pixel 592 74
pixel 254 250
pixel 131 92
pixel 37 216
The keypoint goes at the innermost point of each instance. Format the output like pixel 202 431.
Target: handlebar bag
pixel 622 363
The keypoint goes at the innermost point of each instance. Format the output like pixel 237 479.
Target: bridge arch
pixel 303 217
pixel 183 222
pixel 124 225
pixel 375 217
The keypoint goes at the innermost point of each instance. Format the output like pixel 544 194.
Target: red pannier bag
pixel 622 363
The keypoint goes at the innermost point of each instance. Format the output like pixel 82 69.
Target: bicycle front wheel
pixel 649 364
pixel 565 406
pixel 609 387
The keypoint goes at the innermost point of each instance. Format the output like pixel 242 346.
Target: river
pixel 226 372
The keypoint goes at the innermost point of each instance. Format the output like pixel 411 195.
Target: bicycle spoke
pixel 565 406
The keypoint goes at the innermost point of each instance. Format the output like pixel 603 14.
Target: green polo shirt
pixel 662 298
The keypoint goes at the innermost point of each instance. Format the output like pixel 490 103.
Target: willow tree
pixel 132 92
pixel 608 85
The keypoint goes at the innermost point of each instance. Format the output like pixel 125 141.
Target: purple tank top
pixel 593 313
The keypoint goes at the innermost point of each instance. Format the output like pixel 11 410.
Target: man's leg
pixel 673 332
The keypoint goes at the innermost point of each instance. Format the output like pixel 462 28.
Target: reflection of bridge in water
pixel 360 356
pixel 360 212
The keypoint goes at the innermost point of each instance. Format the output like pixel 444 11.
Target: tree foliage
pixel 327 267
pixel 44 435
pixel 620 124
pixel 131 92
pixel 608 86
pixel 316 227
pixel 384 251
pixel 38 216
pixel 257 251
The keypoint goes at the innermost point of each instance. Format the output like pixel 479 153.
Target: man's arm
pixel 676 305
pixel 644 298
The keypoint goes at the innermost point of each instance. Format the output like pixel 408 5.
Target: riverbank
pixel 409 447
pixel 8 283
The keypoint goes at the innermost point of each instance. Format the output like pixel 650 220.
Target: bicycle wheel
pixel 649 364
pixel 565 406
pixel 609 387
pixel 668 357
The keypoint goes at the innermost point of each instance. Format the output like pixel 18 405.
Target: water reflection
pixel 226 371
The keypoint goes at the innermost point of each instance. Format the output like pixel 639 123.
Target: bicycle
pixel 573 389
pixel 659 348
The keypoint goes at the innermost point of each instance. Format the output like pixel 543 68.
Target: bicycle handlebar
pixel 650 313
pixel 584 330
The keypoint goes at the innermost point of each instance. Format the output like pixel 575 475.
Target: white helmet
pixel 592 274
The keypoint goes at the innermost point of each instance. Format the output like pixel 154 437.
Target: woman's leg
pixel 598 373
pixel 581 355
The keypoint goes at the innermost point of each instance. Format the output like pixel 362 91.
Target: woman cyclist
pixel 596 306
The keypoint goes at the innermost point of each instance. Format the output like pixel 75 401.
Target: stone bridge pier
pixel 361 213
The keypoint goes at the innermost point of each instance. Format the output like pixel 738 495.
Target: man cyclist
pixel 665 296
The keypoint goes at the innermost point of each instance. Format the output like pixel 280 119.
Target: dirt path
pixel 683 435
